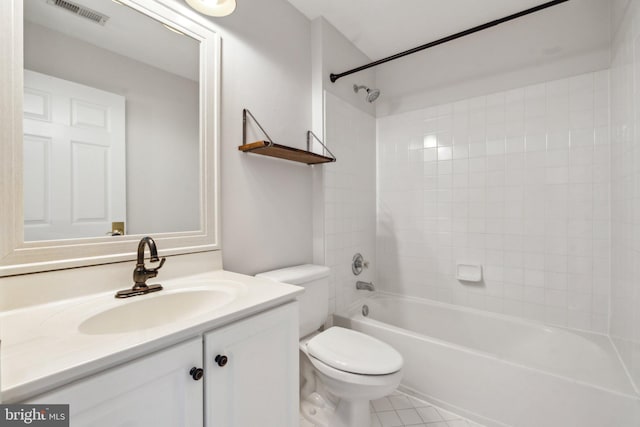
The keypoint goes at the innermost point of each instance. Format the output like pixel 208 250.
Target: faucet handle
pixel 358 264
pixel 154 270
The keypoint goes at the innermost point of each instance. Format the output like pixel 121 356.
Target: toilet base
pixel 347 413
pixel 315 410
pixel 352 413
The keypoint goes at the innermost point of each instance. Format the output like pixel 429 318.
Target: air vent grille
pixel 80 10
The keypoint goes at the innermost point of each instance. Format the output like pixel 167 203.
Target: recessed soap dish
pixel 469 272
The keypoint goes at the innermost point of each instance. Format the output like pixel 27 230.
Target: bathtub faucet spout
pixel 365 285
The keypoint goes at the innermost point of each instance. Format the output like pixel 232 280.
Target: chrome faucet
pixel 365 285
pixel 141 273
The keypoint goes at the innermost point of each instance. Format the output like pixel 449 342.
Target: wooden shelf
pixel 283 152
pixel 269 148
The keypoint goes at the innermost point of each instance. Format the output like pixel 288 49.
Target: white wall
pixel 161 126
pixel 625 185
pixel 338 54
pixel 350 198
pixel 517 181
pixel 479 84
pixel 266 203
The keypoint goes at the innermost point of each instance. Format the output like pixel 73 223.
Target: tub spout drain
pixel 365 310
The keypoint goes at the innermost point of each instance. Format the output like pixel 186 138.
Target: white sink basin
pixel 104 314
pixel 155 310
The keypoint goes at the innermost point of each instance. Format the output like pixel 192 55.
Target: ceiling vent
pixel 80 10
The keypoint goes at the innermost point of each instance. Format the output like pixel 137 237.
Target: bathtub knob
pixel 221 360
pixel 358 263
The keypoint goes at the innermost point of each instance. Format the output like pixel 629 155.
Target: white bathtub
pixel 499 370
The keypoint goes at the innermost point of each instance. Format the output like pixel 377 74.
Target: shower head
pixel 372 94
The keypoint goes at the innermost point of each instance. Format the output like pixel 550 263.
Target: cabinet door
pixel 155 390
pixel 258 385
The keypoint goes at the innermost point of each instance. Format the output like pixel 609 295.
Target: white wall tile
pixel 350 190
pixel 516 192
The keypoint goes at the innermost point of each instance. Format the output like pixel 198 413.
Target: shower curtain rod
pixel 490 24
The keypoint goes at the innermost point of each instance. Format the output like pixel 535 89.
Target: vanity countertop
pixel 42 347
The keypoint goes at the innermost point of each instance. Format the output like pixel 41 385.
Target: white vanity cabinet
pixel 155 390
pixel 251 371
pixel 256 385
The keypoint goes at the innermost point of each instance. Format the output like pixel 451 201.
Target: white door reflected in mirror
pixel 74 159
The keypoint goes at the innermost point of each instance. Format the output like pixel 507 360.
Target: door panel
pixel 258 386
pixel 82 131
pixel 155 390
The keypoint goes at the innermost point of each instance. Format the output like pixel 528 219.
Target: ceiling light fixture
pixel 213 7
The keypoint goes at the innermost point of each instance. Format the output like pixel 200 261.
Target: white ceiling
pixel 380 28
pixel 566 39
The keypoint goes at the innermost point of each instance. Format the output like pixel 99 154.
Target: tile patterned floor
pixel 400 410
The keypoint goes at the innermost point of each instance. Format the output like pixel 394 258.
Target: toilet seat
pixel 361 381
pixel 353 352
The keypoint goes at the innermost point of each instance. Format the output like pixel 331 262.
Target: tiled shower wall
pixel 350 197
pixel 517 182
pixel 625 197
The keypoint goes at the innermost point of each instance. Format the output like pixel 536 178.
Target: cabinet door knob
pixel 196 373
pixel 221 360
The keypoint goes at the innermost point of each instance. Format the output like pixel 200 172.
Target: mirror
pixel 118 131
pixel 110 122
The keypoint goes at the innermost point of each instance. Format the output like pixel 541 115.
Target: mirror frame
pixel 18 256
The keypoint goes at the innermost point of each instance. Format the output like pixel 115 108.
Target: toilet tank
pixel 314 302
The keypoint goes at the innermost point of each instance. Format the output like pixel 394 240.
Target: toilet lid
pixel 355 352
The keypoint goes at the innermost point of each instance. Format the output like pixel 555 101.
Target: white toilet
pixel 341 370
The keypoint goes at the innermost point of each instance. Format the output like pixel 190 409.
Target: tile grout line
pixel 389 407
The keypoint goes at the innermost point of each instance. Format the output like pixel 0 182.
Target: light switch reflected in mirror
pixel 111 122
